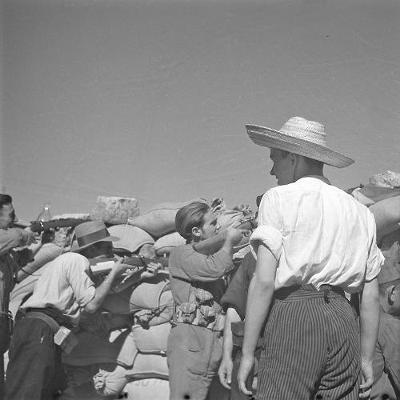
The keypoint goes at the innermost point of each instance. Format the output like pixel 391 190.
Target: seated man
pixel 195 342
pixel 62 292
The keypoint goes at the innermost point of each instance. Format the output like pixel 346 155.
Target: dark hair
pixel 5 199
pixel 190 216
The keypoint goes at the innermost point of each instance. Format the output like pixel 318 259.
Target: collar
pixel 320 177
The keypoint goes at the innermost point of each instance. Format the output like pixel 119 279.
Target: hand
pixel 28 236
pixel 235 235
pixel 151 270
pixel 225 372
pixel 119 267
pixel 367 379
pixel 246 364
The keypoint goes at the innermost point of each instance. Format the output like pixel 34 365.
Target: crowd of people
pixel 311 312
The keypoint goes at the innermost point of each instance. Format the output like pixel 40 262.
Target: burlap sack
pixel 387 215
pixel 148 366
pixel 114 210
pixel 152 340
pixel 145 389
pixel 165 244
pixel 160 220
pixel 147 295
pixel 130 238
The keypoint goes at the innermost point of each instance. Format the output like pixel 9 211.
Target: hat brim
pixel 274 139
pixel 75 247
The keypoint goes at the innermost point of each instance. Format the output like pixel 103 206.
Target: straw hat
pixel 89 233
pixel 299 136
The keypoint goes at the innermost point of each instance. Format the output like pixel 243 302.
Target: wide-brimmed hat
pixel 89 233
pixel 299 136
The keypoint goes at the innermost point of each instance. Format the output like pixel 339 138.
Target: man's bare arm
pixel 369 323
pixel 225 368
pixel 259 301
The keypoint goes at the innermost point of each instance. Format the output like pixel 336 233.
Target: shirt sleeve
pixel 82 286
pixel 199 267
pixel 269 229
pixel 375 257
pixel 10 238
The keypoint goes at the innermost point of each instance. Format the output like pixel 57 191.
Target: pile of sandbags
pixel 142 356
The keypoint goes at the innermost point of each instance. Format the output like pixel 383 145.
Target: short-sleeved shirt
pixel 236 294
pixel 319 234
pixel 64 285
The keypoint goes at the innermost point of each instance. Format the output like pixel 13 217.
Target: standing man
pixel 313 243
pixel 61 293
pixel 197 285
pixel 10 238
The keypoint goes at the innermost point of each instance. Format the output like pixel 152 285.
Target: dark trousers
pixel 311 348
pixel 34 367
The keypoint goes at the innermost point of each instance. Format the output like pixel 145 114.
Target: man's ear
pixel 390 294
pixel 196 232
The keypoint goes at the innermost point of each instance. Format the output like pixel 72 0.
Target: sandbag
pixel 147 295
pixel 146 389
pixel 130 238
pixel 156 316
pixel 160 220
pixel 148 366
pixel 165 244
pixel 114 210
pixel 128 352
pixel 387 215
pixel 151 340
pixel 110 383
pixel 386 179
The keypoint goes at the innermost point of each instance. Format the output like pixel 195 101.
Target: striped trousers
pixel 311 347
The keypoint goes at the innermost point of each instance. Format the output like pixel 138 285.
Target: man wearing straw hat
pixel 314 242
pixel 61 293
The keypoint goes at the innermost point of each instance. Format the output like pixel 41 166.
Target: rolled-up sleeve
pixel 269 229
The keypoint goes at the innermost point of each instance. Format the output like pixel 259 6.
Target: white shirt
pixel 64 285
pixel 319 234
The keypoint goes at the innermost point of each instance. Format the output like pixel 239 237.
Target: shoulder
pixel 71 259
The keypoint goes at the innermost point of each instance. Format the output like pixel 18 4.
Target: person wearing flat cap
pixel 61 293
pixel 314 243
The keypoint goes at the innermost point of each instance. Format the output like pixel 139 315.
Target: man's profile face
pixel 210 226
pixel 282 167
pixel 7 216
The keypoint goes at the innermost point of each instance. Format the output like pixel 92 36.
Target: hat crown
pixel 90 232
pixel 301 128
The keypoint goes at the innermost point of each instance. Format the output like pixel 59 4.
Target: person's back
pixel 64 285
pixel 326 234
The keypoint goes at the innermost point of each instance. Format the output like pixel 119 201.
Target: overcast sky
pixel 148 99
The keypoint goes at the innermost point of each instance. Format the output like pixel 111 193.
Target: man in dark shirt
pixel 10 237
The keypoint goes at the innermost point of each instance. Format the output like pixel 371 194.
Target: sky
pixel 148 99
